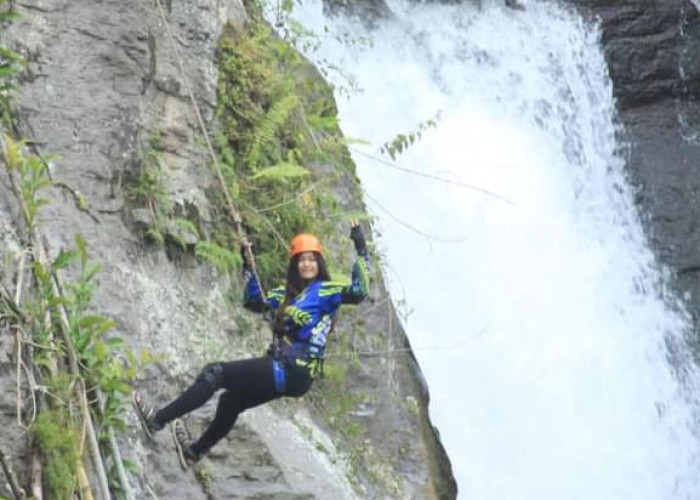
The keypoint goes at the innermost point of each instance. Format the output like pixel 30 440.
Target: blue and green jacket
pixel 308 317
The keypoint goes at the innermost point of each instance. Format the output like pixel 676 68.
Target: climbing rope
pixel 235 215
pixel 405 224
pixel 432 177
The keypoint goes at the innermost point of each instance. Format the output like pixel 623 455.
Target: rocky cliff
pixel 102 79
pixel 652 51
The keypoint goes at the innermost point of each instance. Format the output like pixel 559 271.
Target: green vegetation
pixel 281 155
pixel 222 258
pixel 105 360
pixel 11 63
pixel 280 152
pixel 147 188
pixel 57 433
pixel 85 372
pixel 278 118
pixel 401 142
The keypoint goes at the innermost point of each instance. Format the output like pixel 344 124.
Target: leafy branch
pixel 68 351
pixel 401 142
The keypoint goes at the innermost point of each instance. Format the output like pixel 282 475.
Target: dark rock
pixel 652 52
pixel 645 45
pixel 513 4
pixel 367 10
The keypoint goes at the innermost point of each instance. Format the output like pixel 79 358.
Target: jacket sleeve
pixel 356 291
pixel 253 298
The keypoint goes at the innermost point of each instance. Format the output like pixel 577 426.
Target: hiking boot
pixel 146 414
pixel 183 445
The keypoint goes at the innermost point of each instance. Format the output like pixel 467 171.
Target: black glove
pixel 357 236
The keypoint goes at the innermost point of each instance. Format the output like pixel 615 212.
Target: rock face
pixel 104 82
pixel 649 48
pixel 108 82
pixel 652 51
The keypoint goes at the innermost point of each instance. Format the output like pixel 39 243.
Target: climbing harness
pixel 286 352
pixel 308 354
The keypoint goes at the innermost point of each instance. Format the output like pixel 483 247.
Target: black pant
pixel 248 383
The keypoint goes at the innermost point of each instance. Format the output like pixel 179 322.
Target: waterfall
pixel 551 344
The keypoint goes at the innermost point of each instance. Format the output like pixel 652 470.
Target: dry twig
pixel 11 479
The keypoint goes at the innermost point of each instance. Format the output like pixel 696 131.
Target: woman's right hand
pixel 246 253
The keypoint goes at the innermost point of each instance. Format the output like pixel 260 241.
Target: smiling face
pixel 308 266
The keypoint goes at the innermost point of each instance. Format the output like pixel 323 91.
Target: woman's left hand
pixel 357 236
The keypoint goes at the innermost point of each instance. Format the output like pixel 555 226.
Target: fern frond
pixel 281 172
pixel 186 225
pixel 322 123
pixel 269 126
pixel 157 236
pixel 183 231
pixel 339 140
pixel 223 259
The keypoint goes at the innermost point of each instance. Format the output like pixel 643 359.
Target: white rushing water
pixel 541 322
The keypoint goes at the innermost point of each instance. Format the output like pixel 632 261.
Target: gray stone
pixel 142 217
pixel 649 47
pixel 103 79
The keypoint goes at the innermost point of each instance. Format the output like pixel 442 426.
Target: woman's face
pixel 308 267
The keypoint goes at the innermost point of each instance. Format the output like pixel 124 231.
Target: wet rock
pixel 367 10
pixel 649 47
pixel 652 51
pixel 514 4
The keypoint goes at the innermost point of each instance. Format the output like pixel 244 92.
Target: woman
pixel 302 314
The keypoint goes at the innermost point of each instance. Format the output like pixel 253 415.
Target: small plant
pixel 106 361
pixel 71 344
pixel 33 177
pixel 57 436
pixel 147 188
pixel 11 64
pixel 222 258
pixel 58 440
pixel 204 476
pixel 401 142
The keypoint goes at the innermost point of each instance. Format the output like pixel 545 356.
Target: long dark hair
pixel 295 284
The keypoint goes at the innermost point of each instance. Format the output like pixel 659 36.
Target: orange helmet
pixel 304 243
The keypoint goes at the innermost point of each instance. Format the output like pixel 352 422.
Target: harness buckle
pixel 279 375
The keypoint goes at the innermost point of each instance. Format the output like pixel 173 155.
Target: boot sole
pixel 142 419
pixel 178 448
